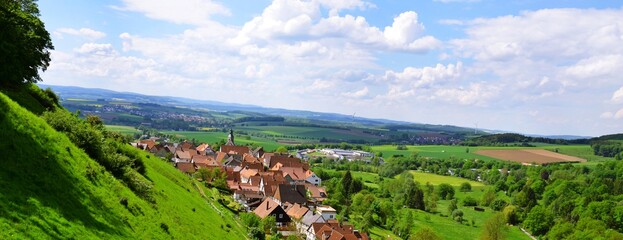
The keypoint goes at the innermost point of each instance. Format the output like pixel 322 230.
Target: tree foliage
pixel 25 44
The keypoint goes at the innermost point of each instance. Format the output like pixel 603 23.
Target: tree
pixel 281 149
pixel 426 234
pixel 539 221
pixel 451 207
pixel 270 224
pixel 457 215
pixel 347 181
pixel 25 44
pixel 446 191
pixel 494 228
pixel 465 187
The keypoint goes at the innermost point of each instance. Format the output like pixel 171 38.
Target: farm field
pixel 310 133
pixel 435 179
pixel 122 129
pixel 463 152
pixel 529 156
pixel 213 137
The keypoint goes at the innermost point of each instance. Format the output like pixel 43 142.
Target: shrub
pixel 469 201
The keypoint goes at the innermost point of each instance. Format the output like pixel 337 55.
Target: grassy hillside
pixel 51 189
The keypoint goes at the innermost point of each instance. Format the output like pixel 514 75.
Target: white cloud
pixel 285 20
pixel 606 115
pixel 619 114
pixel 475 94
pixel 617 97
pixel 194 12
pixel 96 49
pixel 87 33
pixel 358 93
pixel 426 76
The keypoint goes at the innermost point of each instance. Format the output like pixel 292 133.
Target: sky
pixel 528 66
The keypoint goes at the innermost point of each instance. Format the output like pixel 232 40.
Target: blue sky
pixel 544 67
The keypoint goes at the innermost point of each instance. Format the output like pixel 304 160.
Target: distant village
pixel 268 184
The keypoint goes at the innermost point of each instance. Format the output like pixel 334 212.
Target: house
pixel 292 175
pixel 291 194
pixel 246 174
pixel 203 161
pixel 332 229
pixel 312 178
pixel 249 199
pixel 316 193
pixel 234 149
pixel 285 161
pixel 295 211
pixel 271 208
pixel 327 212
pixel 186 167
pixel 304 226
pixel 258 152
pixel 202 148
pixel 182 156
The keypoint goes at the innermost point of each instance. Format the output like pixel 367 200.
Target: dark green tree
pixel 25 44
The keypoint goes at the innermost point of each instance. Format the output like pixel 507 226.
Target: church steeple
pixel 230 138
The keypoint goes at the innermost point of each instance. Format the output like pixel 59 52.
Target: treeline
pixel 608 149
pixel 504 139
pixel 259 119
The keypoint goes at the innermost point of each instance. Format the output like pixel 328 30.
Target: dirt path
pixel 527 233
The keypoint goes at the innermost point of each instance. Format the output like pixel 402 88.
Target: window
pixel 330 216
pixel 280 215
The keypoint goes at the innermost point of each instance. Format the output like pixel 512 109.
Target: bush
pixel 446 191
pixel 498 204
pixel 465 187
pixel 469 201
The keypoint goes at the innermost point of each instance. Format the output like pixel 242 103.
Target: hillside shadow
pixel 33 173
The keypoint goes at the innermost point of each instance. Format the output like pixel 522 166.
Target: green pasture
pixel 213 137
pixel 464 152
pixel 310 132
pixel 122 129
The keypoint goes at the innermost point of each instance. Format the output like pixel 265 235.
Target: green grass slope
pixel 50 189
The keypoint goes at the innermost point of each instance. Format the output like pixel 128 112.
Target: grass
pixel 310 132
pixel 435 179
pixel 122 129
pixel 51 189
pixel 463 152
pixel 213 137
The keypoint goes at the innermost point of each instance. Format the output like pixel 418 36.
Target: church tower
pixel 230 138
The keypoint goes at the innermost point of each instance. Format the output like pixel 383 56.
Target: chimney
pixel 267 205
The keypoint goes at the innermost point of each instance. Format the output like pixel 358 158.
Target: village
pixel 267 184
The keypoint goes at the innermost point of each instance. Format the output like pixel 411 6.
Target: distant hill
pixel 317 117
pixel 50 189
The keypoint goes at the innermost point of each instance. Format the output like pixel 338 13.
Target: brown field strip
pixel 538 156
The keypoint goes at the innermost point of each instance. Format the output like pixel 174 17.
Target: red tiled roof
pixel 185 167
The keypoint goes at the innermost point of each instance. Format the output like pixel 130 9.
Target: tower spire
pixel 230 138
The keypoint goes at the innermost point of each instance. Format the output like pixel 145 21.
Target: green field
pixel 213 137
pixel 435 179
pixel 463 152
pixel 310 133
pixel 122 129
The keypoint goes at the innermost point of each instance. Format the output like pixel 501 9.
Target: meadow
pixel 311 133
pixel 214 137
pixel 122 129
pixel 464 152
